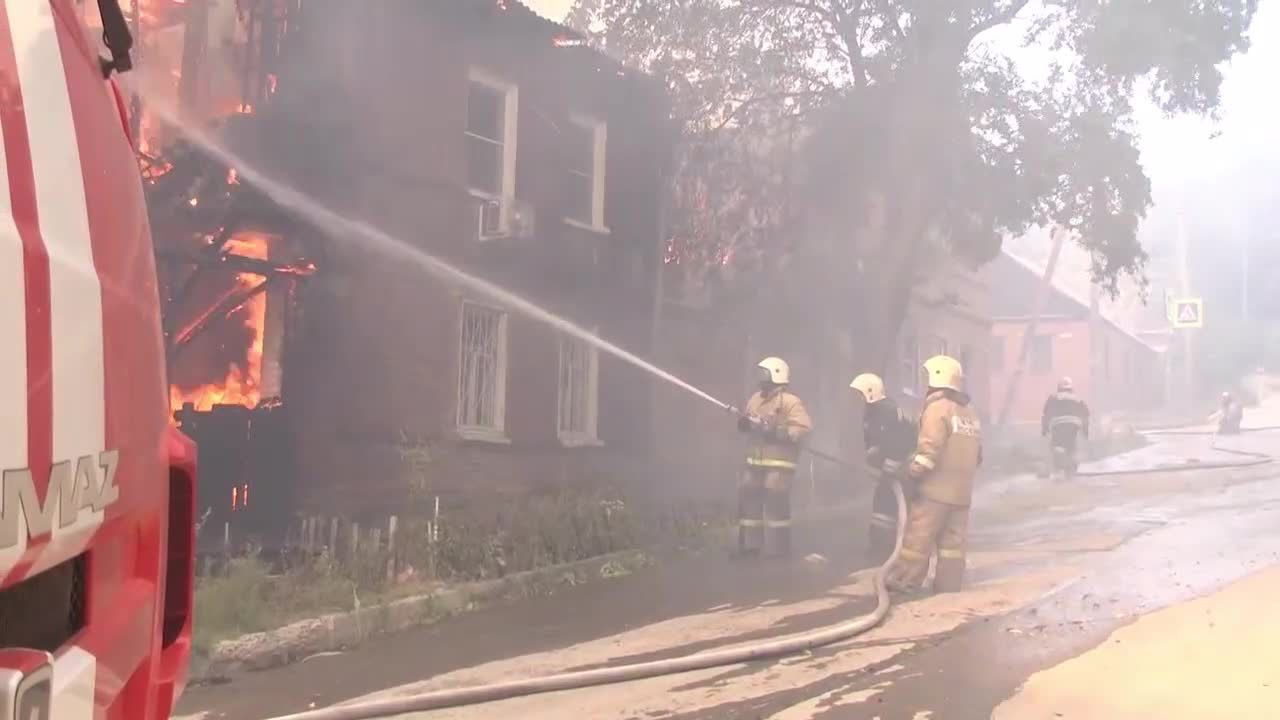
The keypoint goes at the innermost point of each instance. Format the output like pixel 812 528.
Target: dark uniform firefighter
pixel 1065 421
pixel 776 423
pixel 946 459
pixel 889 437
pixel 1229 416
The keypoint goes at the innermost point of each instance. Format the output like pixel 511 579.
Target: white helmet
pixel 944 371
pixel 871 387
pixel 776 370
pixel 1065 385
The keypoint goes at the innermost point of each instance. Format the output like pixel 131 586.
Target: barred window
pixel 578 390
pixel 483 369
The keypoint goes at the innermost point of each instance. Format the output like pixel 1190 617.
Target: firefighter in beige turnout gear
pixel 948 453
pixel 776 422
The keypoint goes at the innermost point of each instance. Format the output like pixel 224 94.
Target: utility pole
pixel 1046 284
pixel 1184 282
pixel 1099 361
pixel 1244 274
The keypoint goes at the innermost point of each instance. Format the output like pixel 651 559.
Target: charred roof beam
pixel 229 304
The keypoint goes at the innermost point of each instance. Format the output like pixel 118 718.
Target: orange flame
pixel 239 387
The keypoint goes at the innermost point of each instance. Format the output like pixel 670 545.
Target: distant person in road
pixel 889 437
pixel 946 459
pixel 1229 415
pixel 1065 421
pixel 776 422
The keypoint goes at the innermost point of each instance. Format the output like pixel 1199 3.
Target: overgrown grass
pixel 247 598
pixel 531 533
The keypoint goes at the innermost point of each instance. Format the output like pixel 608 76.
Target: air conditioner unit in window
pixel 490 222
pixel 500 219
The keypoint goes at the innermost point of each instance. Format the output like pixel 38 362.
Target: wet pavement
pixel 1058 572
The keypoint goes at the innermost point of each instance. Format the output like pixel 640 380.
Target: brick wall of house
pixel 1125 376
pixel 1068 357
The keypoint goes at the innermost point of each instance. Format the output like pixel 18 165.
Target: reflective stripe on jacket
pixel 779 408
pixel 1062 409
pixel 948 450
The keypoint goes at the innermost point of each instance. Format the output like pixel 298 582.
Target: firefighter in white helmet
pixel 1229 415
pixel 946 459
pixel 889 437
pixel 776 422
pixel 1064 421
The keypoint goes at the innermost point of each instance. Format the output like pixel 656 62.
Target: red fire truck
pixel 96 511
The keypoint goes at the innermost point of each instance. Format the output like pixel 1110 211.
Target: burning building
pixel 230 264
pixel 478 132
pixel 229 288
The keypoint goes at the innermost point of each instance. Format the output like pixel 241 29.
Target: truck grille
pixel 45 611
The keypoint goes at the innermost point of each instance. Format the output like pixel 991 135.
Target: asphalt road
pixel 1057 574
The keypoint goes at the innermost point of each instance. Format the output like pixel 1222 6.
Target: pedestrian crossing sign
pixel 1187 313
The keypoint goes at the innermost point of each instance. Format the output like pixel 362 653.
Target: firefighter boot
pixel 1061 463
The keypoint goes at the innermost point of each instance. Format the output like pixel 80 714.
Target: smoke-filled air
pixel 665 358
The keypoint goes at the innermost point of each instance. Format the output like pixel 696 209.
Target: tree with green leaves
pixel 916 125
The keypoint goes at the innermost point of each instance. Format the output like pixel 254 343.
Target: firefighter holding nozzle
pixel 776 423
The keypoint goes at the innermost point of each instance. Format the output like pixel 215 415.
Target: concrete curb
pixel 337 631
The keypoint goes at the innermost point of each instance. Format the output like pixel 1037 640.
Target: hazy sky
pixel 554 9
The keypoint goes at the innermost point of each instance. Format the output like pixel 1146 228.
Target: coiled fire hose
pixel 790 645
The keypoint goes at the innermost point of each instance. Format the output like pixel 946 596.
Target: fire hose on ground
pixel 1242 431
pixel 785 646
pixel 1255 458
pixel 790 645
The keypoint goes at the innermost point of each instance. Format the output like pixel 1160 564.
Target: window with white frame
pixel 936 345
pixel 491 136
pixel 909 364
pixel 586 143
pixel 578 392
pixel 482 377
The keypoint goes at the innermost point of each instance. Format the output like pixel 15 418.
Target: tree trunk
pixel 926 120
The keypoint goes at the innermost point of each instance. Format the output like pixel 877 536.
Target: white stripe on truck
pixel 13 345
pixel 75 674
pixel 75 294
